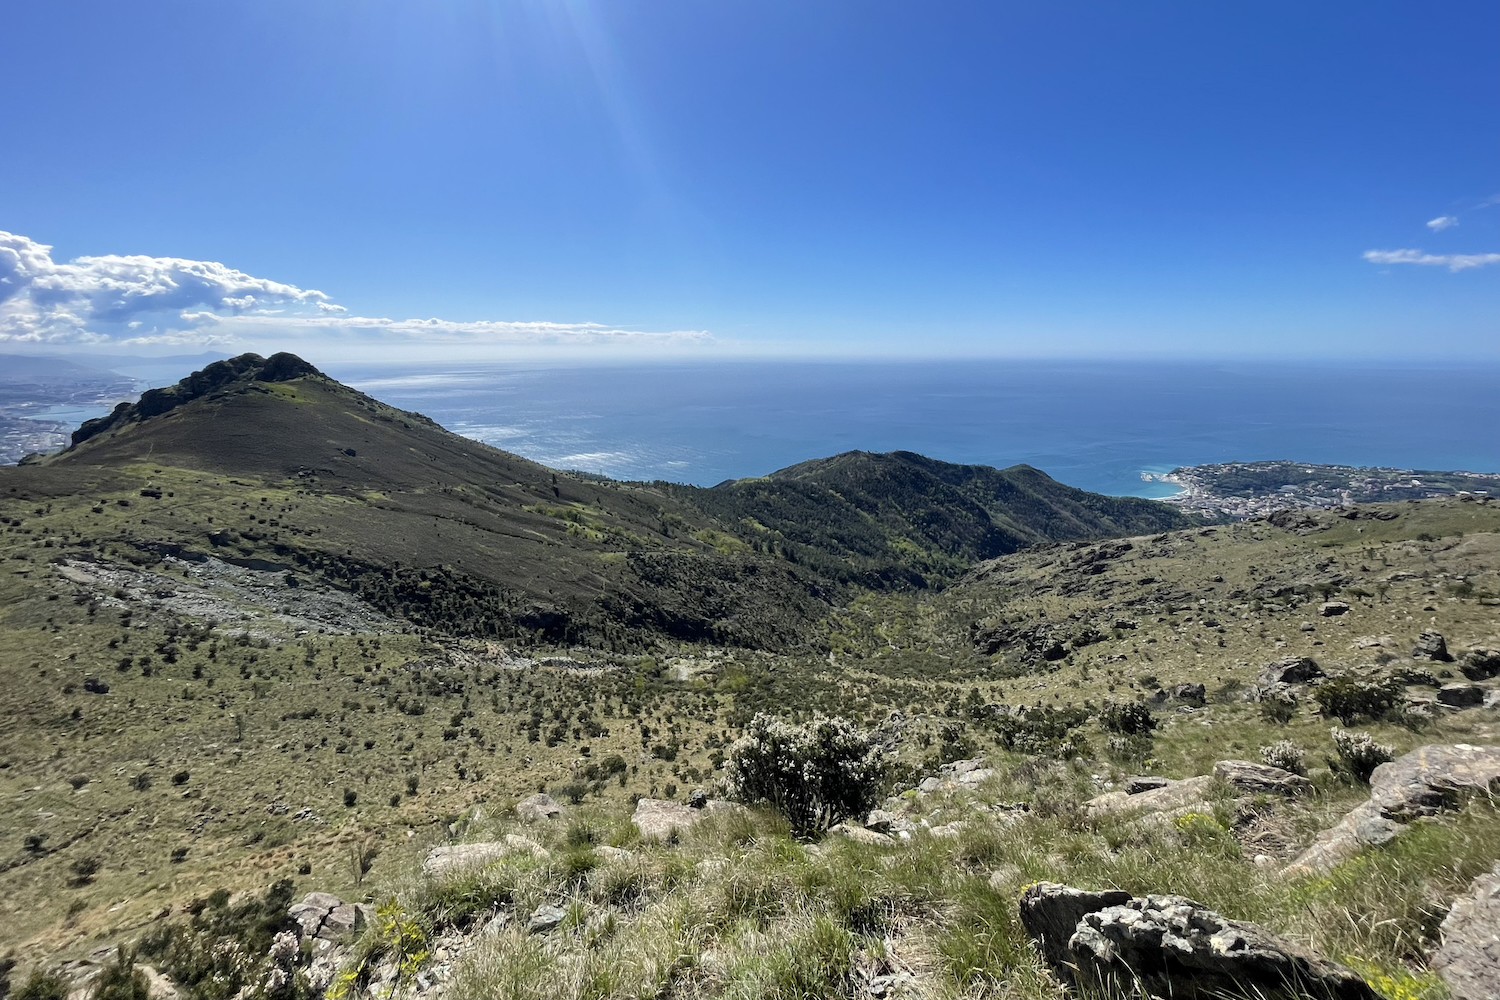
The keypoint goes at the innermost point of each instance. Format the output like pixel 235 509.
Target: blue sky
pixel 863 178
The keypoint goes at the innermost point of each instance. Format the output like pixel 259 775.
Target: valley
pixel 262 628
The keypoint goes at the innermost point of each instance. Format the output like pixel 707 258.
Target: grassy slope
pixel 895 652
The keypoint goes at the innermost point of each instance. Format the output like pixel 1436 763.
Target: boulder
pixel 1480 664
pixel 959 768
pixel 1427 781
pixel 323 916
pixel 1289 670
pixel 609 853
pixel 545 917
pixel 1461 695
pixel 1469 959
pixel 1144 783
pixel 1431 646
pixel 452 857
pixel 1332 609
pixel 1247 776
pixel 860 834
pixel 660 818
pixel 537 807
pixel 1170 946
pixel 881 821
pixel 1189 794
pixel 975 776
pixel 1196 694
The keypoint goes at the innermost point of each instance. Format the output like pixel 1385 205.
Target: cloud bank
pixel 1452 261
pixel 138 301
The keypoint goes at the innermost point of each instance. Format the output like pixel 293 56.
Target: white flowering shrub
pixel 1286 755
pixel 816 774
pixel 1360 753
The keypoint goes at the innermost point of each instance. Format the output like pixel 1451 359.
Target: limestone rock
pixel 1290 670
pixel 1189 793
pixel 1480 664
pixel 1144 783
pixel 158 986
pixel 1247 776
pixel 1332 609
pixel 958 768
pixel 1469 960
pixel 324 916
pixel 537 807
pixel 1195 694
pixel 1173 947
pixel 545 917
pixel 660 817
pixel 1431 646
pixel 452 857
pixel 860 834
pixel 881 821
pixel 1050 912
pixel 1461 695
pixel 1424 782
pixel 609 853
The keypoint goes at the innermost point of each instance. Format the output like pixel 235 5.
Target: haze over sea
pixel 1096 425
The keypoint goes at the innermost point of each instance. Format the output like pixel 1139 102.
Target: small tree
pixel 816 774
pixel 1130 718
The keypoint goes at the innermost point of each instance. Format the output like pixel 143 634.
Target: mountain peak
pixel 280 367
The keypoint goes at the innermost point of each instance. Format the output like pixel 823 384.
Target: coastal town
pixel 1241 490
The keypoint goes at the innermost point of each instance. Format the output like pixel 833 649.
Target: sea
pixel 1095 425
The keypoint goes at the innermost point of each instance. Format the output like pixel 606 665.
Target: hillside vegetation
pixel 279 638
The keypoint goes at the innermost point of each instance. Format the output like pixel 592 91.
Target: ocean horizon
pixel 1093 424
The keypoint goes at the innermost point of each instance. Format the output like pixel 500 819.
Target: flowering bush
pixel 1286 755
pixel 816 774
pixel 1360 753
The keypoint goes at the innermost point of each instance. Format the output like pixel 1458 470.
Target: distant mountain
pixel 901 518
pixel 267 461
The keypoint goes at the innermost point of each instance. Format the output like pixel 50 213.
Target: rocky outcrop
pixel 1469 959
pixel 325 916
pixel 1461 695
pixel 452 857
pixel 1431 646
pixel 154 402
pixel 660 818
pixel 1289 670
pixel 1175 796
pixel 537 807
pixel 1170 946
pixel 1425 782
pixel 1480 664
pixel 1246 776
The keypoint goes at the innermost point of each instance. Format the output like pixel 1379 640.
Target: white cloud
pixel 1442 222
pixel 137 300
pixel 1452 261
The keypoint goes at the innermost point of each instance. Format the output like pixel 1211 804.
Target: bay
pixel 1096 425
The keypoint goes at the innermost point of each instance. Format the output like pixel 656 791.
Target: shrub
pixel 1042 731
pixel 1131 718
pixel 816 774
pixel 43 986
pixel 1278 706
pixel 121 980
pixel 1359 752
pixel 1286 755
pixel 1348 698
